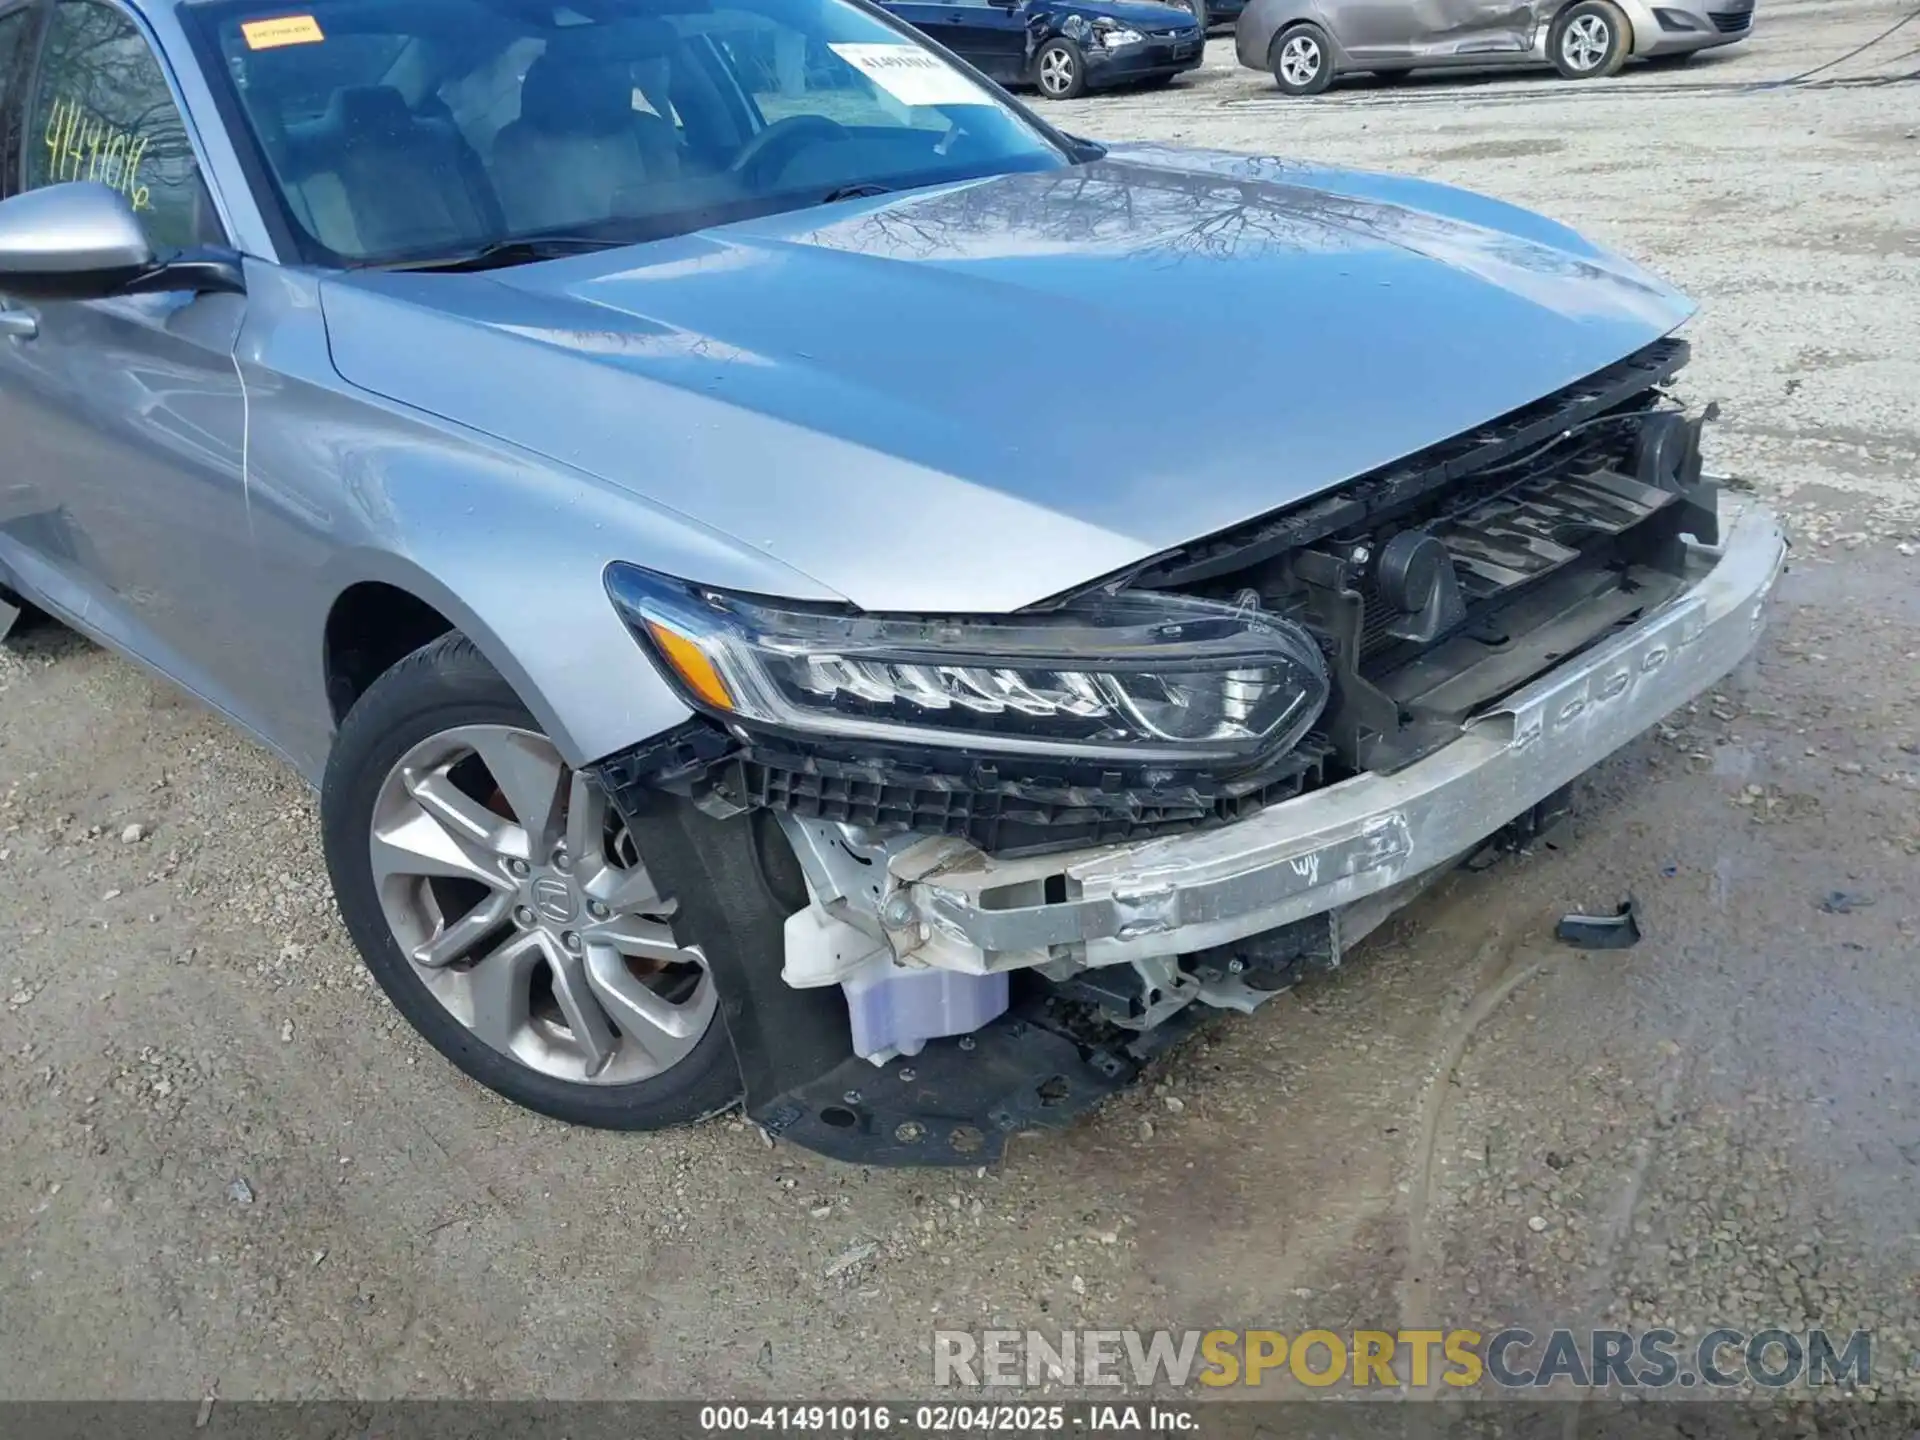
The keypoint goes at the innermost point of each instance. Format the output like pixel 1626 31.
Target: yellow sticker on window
pixel 287 30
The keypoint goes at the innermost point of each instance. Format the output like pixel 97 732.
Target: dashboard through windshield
pixel 402 131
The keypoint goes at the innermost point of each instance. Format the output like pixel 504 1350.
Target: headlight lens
pixel 1112 35
pixel 1139 677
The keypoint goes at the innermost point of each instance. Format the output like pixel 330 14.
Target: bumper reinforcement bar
pixel 1333 847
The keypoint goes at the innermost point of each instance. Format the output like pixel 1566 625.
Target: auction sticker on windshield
pixel 287 30
pixel 912 76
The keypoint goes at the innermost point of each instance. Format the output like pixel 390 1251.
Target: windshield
pixel 400 131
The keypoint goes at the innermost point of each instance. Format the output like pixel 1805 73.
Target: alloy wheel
pixel 1300 59
pixel 516 893
pixel 1056 71
pixel 1585 44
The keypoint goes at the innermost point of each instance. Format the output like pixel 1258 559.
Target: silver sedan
pixel 1306 43
pixel 599 444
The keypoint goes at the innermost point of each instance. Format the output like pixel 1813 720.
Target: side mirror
pixel 81 241
pixel 78 241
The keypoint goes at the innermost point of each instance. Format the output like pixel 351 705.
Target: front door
pixel 992 37
pixel 1463 28
pixel 124 419
pixel 1375 29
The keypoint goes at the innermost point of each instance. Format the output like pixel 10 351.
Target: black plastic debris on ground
pixel 1600 932
pixel 1843 902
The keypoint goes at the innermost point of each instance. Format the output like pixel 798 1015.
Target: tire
pixel 1199 9
pixel 667 1059
pixel 1060 70
pixel 1589 40
pixel 1301 60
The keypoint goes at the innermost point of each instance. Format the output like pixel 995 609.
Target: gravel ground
pixel 225 1166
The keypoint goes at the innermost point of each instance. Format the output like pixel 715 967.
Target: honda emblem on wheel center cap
pixel 553 899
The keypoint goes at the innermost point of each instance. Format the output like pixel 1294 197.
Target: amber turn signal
pixel 691 664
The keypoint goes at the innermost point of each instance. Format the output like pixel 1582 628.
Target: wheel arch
pixel 387 605
pixel 1072 35
pixel 1643 30
pixel 1630 11
pixel 371 626
pixel 1308 17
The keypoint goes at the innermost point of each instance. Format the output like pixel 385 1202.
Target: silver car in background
pixel 1306 43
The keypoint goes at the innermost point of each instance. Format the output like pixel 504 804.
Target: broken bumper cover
pixel 1334 847
pixel 1137 62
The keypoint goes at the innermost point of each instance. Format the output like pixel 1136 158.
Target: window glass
pixel 396 130
pixel 16 27
pixel 13 35
pixel 789 72
pixel 102 111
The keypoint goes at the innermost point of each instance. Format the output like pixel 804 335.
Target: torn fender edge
pixel 782 1038
pixel 955 1103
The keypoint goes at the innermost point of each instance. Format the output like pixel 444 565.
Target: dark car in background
pixel 1065 47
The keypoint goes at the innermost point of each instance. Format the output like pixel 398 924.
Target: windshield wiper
pixel 857 191
pixel 501 253
pixel 1084 150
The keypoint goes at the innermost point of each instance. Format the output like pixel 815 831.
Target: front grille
pixel 1518 537
pixel 1006 806
pixel 1505 523
pixel 1730 22
pixel 1541 503
pixel 1505 535
pixel 1207 566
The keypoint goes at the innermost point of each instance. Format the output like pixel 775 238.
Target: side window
pixel 101 111
pixel 16 28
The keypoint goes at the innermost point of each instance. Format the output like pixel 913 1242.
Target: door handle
pixel 20 324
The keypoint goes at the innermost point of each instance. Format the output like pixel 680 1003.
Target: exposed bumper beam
pixel 1341 845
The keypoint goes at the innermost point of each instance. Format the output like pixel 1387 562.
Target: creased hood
pixel 975 397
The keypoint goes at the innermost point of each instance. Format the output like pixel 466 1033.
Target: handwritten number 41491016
pixel 84 148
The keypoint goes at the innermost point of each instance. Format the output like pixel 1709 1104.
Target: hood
pixel 974 397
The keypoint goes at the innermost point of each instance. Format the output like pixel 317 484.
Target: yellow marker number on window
pixel 82 146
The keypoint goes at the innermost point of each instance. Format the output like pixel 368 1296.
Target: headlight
pixel 1140 677
pixel 1112 35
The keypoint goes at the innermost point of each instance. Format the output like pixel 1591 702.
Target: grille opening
pixel 1548 529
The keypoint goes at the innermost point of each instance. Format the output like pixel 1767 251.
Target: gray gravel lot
pixel 226 1166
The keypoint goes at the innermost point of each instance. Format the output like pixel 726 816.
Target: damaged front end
pixel 1029 871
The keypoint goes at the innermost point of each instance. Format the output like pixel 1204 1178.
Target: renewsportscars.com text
pixel 1511 1358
